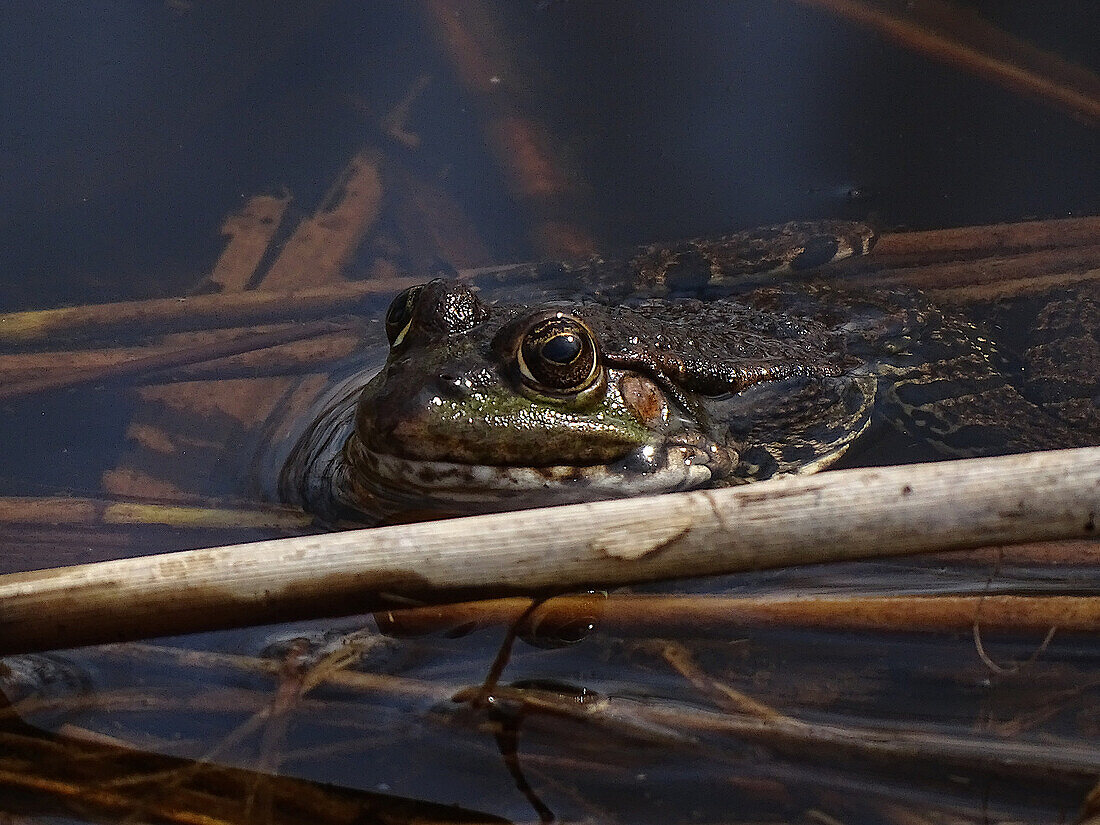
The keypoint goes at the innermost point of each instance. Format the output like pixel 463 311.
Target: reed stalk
pixel 838 516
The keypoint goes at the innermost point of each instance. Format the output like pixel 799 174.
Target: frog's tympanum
pixel 661 378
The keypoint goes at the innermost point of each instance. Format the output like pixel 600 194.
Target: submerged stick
pixel 166 360
pixel 161 315
pixel 55 510
pixel 696 615
pixel 66 776
pixel 943 248
pixel 1005 276
pixel 674 725
pixel 75 364
pixel 836 516
pixel 968 242
pixel 941 32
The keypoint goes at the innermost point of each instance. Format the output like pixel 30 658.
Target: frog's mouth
pixel 395 488
pixel 338 475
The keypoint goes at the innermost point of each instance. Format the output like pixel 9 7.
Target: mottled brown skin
pixel 1061 362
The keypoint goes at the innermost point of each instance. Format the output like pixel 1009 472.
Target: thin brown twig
pixel 309 354
pixel 1052 705
pixel 161 315
pixel 977 631
pixel 396 122
pixel 321 246
pixel 705 615
pixel 965 41
pixel 676 724
pixel 537 174
pixel 728 698
pixel 361 681
pixel 250 231
pixel 983 279
pixel 504 654
pixel 75 510
pixel 234 309
pixel 75 777
pixel 165 360
pixel 901 248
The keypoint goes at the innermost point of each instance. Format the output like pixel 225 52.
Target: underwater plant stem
pixel 46 774
pixel 1053 243
pixel 986 279
pixel 903 248
pixel 843 515
pixel 165 360
pixel 963 40
pixel 161 315
pixel 292 357
pixel 54 510
pixel 807 739
pixel 697 616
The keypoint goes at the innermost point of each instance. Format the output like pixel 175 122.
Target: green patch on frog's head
pixel 480 406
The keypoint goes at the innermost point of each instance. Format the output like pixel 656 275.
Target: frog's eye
pixel 559 354
pixel 400 313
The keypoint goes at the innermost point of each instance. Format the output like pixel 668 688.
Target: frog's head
pixel 487 407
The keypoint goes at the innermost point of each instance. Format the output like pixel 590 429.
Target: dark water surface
pixel 131 132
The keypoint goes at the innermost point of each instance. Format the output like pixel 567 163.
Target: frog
pixel 701 364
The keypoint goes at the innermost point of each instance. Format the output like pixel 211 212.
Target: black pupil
pixel 562 349
pixel 560 355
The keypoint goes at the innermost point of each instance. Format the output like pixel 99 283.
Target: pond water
pixel 374 142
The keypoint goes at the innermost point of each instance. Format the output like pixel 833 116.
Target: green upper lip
pixel 442 419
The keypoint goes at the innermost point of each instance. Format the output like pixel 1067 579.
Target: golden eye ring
pixel 400 313
pixel 559 355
